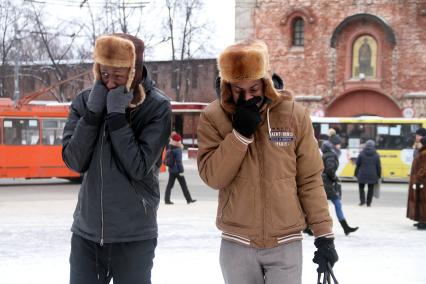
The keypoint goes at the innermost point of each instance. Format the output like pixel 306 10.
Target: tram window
pixel 21 131
pixel 52 130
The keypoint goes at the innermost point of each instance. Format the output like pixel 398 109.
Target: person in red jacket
pixel 174 155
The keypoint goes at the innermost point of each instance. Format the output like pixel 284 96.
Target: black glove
pixel 246 116
pixel 325 253
pixel 118 99
pixel 97 97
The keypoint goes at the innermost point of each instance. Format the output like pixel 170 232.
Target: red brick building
pixel 346 57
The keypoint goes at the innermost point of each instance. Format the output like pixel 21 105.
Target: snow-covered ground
pixel 35 237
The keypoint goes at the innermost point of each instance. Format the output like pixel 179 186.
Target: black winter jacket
pixel 120 157
pixel 368 168
pixel 331 164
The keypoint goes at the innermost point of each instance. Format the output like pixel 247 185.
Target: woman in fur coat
pixel 416 205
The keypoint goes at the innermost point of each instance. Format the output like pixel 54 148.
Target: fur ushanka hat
pixel 246 61
pixel 121 50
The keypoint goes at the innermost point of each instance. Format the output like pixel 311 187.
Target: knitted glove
pixel 246 116
pixel 118 99
pixel 325 253
pixel 97 97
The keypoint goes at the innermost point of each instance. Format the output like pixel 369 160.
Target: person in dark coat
pixel 416 205
pixel 176 171
pixel 420 133
pixel 330 156
pixel 114 135
pixel 368 171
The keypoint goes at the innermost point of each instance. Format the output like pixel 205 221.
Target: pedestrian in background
pixel 174 154
pixel 420 133
pixel 330 157
pixel 257 147
pixel 114 135
pixel 368 171
pixel 416 205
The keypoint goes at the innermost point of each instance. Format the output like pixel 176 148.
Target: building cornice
pixel 415 95
pixel 308 98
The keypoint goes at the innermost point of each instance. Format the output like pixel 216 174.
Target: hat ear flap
pixel 130 78
pixel 96 71
pixel 270 91
pixel 226 98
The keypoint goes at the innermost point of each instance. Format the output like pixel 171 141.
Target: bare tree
pixel 187 37
pixel 11 24
pixel 114 16
pixel 184 29
pixel 57 45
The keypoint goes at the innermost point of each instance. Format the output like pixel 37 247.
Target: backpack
pixel 168 159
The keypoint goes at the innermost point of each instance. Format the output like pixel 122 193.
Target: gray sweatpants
pixel 247 265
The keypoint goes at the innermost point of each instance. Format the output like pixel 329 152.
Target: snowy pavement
pixel 35 218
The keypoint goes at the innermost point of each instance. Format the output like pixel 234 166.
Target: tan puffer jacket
pixel 269 188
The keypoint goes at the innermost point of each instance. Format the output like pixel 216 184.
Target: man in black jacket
pixel 114 135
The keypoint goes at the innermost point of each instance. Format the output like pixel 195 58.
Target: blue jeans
pixel 338 207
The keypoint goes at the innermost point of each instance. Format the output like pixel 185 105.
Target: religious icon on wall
pixel 364 57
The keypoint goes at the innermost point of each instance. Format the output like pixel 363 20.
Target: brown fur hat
pixel 245 61
pixel 121 50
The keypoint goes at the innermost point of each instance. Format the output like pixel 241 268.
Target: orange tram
pixel 31 138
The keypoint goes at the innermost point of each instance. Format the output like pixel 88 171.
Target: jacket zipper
pixel 102 187
pixel 131 182
pixel 141 198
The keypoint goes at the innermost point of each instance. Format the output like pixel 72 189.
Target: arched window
pixel 298 32
pixel 364 58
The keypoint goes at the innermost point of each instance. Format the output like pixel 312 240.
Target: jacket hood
pixel 370 150
pixel 327 146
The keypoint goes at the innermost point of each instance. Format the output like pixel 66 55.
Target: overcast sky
pixel 220 13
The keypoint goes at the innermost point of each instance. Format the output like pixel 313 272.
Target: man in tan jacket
pixel 257 147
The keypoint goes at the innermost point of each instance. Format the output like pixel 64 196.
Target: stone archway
pixel 390 35
pixel 363 102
